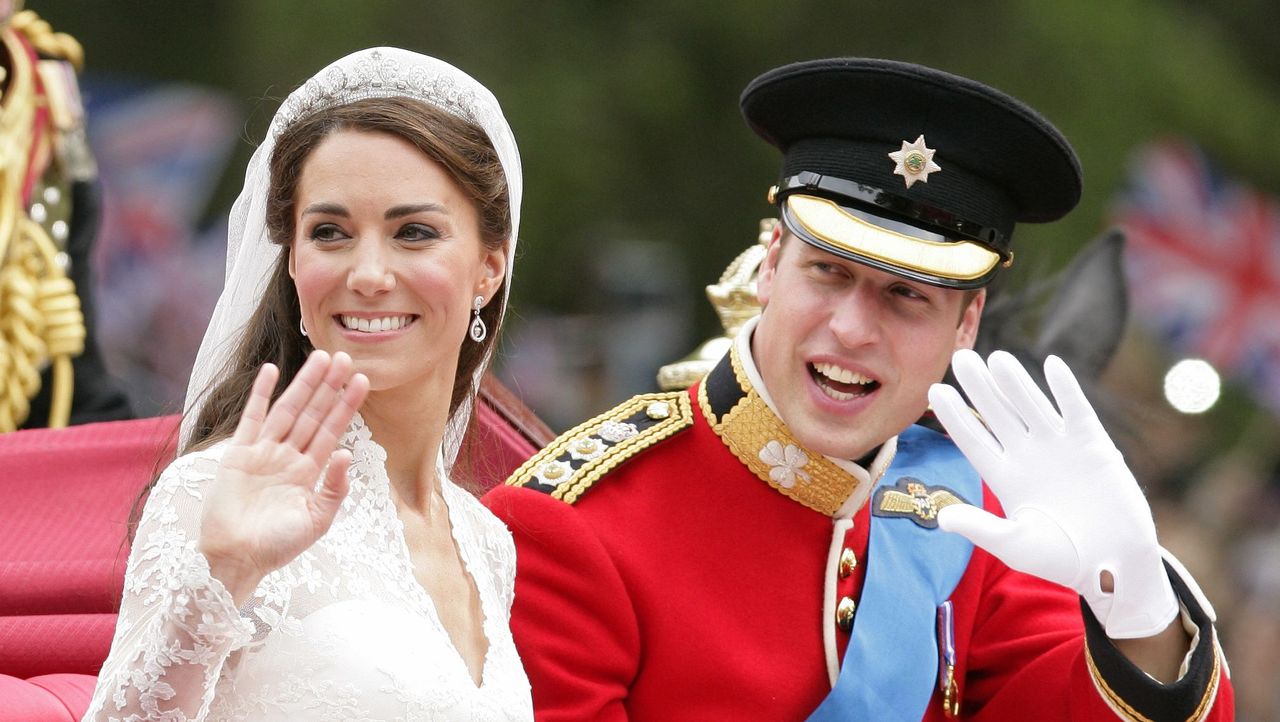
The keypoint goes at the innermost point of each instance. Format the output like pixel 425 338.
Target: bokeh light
pixel 1192 386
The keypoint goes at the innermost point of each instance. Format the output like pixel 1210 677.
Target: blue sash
pixel 890 668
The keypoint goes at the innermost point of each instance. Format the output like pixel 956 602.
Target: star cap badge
pixel 914 161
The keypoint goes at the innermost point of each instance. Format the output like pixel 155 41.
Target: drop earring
pixel 302 327
pixel 478 330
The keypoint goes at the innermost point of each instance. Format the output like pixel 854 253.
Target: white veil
pixel 372 73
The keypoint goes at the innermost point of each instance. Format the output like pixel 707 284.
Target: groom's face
pixel 848 352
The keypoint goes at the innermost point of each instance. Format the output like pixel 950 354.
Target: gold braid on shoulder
pixel 40 318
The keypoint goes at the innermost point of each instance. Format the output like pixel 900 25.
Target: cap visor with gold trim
pixel 909 169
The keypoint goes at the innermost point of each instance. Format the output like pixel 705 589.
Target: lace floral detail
pixel 343 632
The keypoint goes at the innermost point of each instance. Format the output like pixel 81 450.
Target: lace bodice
pixel 343 632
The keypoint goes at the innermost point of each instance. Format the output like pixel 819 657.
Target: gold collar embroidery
pixel 755 434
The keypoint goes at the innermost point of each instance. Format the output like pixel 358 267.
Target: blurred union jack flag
pixel 1203 261
pixel 161 149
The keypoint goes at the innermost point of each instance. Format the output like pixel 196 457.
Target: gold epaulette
pixel 568 467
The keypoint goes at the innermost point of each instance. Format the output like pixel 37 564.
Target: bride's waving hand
pixel 265 506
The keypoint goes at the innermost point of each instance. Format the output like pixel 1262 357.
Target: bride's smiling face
pixel 387 259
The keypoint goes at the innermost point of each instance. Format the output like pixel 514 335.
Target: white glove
pixel 1073 508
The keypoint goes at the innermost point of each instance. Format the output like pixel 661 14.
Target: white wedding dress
pixel 343 632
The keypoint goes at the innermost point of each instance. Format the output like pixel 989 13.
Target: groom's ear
pixel 971 319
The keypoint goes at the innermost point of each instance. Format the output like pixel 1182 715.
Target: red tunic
pixel 679 585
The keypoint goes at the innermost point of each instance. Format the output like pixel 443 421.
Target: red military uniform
pixel 662 576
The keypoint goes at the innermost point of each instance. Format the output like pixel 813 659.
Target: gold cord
pixel 47 42
pixel 41 322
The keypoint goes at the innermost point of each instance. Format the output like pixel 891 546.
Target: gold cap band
pixel 824 223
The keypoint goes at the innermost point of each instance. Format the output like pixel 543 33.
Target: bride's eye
pixel 417 232
pixel 327 233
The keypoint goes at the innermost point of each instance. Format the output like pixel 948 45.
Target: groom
pixel 781 541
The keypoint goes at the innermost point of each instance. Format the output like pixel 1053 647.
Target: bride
pixel 307 556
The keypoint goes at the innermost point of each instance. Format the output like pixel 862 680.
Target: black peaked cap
pixel 1001 161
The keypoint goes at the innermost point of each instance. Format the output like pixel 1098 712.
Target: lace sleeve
pixel 177 624
pixel 506 570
